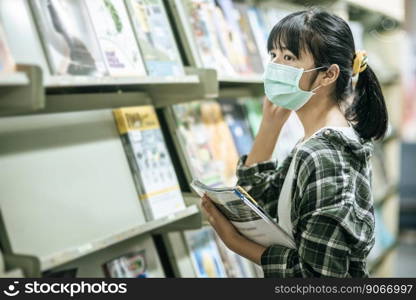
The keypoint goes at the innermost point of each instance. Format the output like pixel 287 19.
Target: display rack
pixel 22 91
pixel 189 218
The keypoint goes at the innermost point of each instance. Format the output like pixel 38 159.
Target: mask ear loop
pixel 314 89
pixel 310 70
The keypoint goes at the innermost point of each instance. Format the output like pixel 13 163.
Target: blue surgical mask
pixel 281 85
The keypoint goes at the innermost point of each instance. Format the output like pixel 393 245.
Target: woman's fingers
pixel 212 212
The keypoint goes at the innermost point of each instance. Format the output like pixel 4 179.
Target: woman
pixel 321 193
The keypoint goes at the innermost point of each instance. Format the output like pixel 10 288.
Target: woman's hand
pixel 274 117
pixel 229 234
pixel 273 114
pixel 225 230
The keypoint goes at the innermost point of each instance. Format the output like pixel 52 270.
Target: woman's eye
pixel 287 57
pixel 272 55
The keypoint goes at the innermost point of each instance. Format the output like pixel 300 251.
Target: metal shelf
pixel 84 81
pixel 239 79
pixel 14 79
pixel 22 91
pixel 189 218
pixel 241 86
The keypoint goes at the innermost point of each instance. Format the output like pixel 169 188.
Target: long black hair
pixel 330 41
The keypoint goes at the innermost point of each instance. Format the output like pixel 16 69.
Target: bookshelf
pixel 21 91
pixel 14 79
pixel 188 218
pixel 34 100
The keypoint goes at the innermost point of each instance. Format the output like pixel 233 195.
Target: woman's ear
pixel 330 75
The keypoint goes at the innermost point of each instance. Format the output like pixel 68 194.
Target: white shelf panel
pixel 76 81
pixel 14 79
pixel 82 250
pixel 253 79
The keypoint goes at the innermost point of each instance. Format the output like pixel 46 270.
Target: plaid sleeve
pixel 327 228
pixel 263 181
pixel 323 251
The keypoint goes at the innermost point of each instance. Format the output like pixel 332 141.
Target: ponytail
pixel 368 111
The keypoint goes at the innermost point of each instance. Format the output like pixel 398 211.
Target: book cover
pixel 192 137
pixel 68 37
pixel 203 17
pixel 204 253
pixel 235 265
pixel 130 265
pixel 236 118
pixel 155 37
pixel 220 140
pixel 6 60
pixel 247 216
pixel 260 32
pixel 150 161
pixel 116 38
pixel 254 60
pixel 254 108
pixel 230 35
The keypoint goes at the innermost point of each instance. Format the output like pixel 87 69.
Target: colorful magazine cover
pixel 116 38
pixel 204 253
pixel 150 161
pixel 6 60
pixel 68 37
pixel 220 140
pixel 228 28
pixel 254 108
pixel 260 31
pixel 131 265
pixel 235 116
pixel 254 60
pixel 155 36
pixel 235 265
pixel 203 17
pixel 193 141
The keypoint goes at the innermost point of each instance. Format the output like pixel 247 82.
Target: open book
pixel 246 215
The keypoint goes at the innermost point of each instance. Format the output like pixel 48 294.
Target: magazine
pixel 130 265
pixel 236 117
pixel 156 39
pixel 68 37
pixel 192 138
pixel 116 37
pixel 246 215
pixel 150 161
pixel 220 140
pixel 203 249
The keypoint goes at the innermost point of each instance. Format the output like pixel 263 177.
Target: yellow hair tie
pixel 360 62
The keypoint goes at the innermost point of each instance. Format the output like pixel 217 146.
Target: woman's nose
pixel 277 59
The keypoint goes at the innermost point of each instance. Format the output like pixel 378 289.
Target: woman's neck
pixel 314 117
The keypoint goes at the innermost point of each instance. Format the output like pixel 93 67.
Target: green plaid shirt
pixel 332 206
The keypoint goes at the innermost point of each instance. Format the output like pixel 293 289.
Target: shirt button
pixel 327 132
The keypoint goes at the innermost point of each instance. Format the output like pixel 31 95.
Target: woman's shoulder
pixel 333 145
